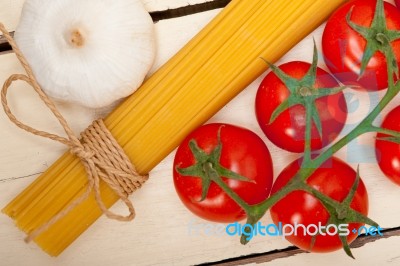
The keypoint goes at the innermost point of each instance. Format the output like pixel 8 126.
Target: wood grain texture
pixel 293 251
pixel 157 13
pixel 164 232
pixel 10 10
pixel 382 252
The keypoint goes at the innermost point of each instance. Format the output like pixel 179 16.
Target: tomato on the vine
pixel 335 179
pixel 344 48
pixel 287 131
pixel 388 152
pixel 238 151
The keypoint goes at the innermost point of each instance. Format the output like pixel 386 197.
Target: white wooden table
pixel 161 234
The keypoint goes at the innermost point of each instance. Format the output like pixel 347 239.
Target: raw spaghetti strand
pixel 99 152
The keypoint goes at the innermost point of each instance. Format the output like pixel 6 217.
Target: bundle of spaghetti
pixel 191 87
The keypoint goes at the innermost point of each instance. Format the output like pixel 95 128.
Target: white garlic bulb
pixel 90 52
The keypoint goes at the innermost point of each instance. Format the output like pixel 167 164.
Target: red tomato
pixel 343 48
pixel 388 153
pixel 334 179
pixel 288 129
pixel 397 3
pixel 244 153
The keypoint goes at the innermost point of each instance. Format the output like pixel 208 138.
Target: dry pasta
pixel 184 93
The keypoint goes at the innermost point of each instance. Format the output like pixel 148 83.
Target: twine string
pixel 100 154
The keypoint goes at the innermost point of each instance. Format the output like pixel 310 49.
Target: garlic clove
pixel 90 52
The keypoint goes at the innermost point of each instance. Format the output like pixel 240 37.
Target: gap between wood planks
pixel 4 180
pixel 292 251
pixel 158 15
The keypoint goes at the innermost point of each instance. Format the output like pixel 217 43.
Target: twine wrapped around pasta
pixel 101 155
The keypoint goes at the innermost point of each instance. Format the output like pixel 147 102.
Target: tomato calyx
pixel 391 139
pixel 341 212
pixel 392 135
pixel 303 91
pixel 208 167
pixel 378 38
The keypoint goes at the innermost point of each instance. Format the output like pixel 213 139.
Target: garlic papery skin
pixel 90 52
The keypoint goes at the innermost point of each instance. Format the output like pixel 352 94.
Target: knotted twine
pixel 100 154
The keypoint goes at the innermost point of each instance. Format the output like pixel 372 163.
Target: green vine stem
pixel 310 165
pixel 303 92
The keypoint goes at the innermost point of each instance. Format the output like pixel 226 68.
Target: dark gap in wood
pixel 159 15
pixel 188 10
pixel 4 46
pixel 292 251
pixel 257 258
pixel 9 179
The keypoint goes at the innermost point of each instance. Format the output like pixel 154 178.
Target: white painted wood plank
pixel 23 152
pixel 382 252
pixel 161 234
pixel 10 10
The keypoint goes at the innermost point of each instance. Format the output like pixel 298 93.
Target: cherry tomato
pixel 334 179
pixel 387 152
pixel 243 153
pixel 343 47
pixel 287 131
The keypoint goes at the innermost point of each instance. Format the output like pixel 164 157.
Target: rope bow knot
pixel 100 154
